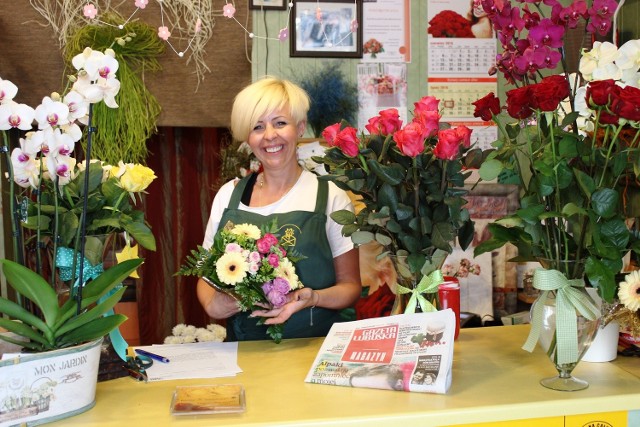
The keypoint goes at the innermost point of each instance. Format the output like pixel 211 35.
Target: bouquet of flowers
pixel 251 265
pixel 450 24
pixel 410 180
pixel 372 46
pixel 627 311
pixel 464 268
pixel 570 140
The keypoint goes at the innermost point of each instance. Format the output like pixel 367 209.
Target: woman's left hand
pixel 296 301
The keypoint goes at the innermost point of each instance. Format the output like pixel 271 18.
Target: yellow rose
pixel 136 178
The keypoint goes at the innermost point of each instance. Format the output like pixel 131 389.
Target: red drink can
pixel 449 294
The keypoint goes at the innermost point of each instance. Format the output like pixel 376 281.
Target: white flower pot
pixel 43 387
pixel 604 347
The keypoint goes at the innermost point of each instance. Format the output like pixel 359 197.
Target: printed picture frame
pixel 332 30
pixel 268 4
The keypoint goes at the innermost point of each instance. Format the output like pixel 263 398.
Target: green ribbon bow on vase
pixel 569 299
pixel 427 285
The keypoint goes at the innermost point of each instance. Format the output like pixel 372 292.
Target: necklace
pixel 266 198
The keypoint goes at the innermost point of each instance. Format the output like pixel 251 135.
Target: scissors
pixel 137 367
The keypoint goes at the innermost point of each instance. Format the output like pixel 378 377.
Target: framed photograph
pixel 324 29
pixel 268 4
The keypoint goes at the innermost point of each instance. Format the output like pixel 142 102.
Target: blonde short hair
pixel 263 97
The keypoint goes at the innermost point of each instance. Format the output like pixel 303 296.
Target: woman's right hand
pixel 218 305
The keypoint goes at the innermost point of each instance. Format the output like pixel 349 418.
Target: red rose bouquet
pixel 450 24
pixel 571 141
pixel 250 264
pixel 373 47
pixel 410 180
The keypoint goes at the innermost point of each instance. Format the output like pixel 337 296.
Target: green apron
pixel 315 272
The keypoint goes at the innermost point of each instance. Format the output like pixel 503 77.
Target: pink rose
pixel 427 103
pixel 448 144
pixel 348 142
pixel 385 124
pixel 265 243
pixel 410 140
pixel 273 260
pixel 465 135
pixel 430 121
pixel 329 133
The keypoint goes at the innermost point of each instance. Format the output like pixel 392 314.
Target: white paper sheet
pixel 195 360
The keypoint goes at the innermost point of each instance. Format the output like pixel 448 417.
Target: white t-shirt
pixel 301 197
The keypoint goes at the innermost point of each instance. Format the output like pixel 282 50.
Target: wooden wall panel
pixel 30 57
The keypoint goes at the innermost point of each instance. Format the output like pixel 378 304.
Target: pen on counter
pixel 152 355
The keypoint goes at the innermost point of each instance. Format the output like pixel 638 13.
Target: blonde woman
pixel 270 115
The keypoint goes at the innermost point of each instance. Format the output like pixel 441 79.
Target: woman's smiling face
pixel 274 138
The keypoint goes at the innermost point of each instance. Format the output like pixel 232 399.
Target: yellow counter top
pixel 493 380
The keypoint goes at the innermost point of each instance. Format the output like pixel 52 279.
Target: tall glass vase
pixel 566 318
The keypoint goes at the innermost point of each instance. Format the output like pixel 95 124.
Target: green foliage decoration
pixel 123 132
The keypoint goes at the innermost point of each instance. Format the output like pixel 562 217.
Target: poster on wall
pixel 461 49
pixel 386 31
pixel 381 86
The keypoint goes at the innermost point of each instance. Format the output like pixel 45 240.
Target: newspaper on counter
pixel 406 352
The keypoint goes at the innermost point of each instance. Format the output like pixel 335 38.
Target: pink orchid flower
pixel 142 3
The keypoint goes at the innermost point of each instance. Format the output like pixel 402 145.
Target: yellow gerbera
pixel 287 271
pixel 629 292
pixel 231 268
pixel 248 230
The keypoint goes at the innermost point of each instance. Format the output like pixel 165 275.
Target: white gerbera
pixel 231 268
pixel 287 271
pixel 248 230
pixel 629 291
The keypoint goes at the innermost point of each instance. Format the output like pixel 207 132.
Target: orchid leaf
pixel 32 286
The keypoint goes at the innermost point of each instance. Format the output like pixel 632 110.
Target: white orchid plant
pixel 54 185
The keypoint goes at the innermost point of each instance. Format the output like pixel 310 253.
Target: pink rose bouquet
pixel 250 264
pixel 410 180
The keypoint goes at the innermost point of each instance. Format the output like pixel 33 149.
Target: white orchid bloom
pixel 78 106
pixel 26 171
pixel 14 115
pixel 102 90
pixel 80 59
pixel 40 140
pixel 61 144
pixel 8 91
pixel 629 55
pixel 30 145
pixel 607 71
pixel 73 130
pixel 51 113
pixel 580 103
pixel 631 77
pixel 61 167
pixel 96 64
pixel 600 56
